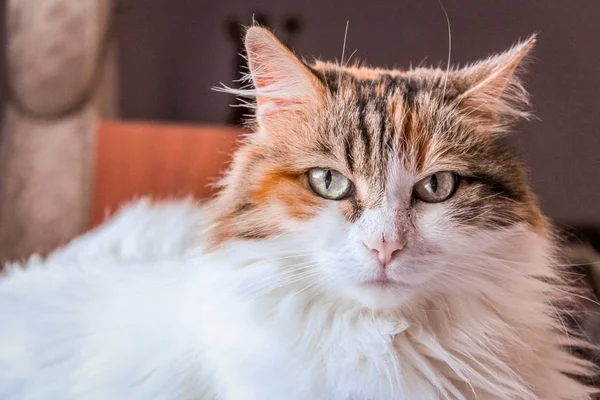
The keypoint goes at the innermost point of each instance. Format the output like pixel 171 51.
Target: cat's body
pixel 373 240
pixel 180 325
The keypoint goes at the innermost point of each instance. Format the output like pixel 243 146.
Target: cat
pixel 372 239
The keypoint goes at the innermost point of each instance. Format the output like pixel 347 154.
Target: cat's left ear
pixel 493 88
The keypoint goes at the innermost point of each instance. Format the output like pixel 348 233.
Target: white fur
pixel 134 311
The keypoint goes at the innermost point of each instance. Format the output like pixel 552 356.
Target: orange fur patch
pixel 289 189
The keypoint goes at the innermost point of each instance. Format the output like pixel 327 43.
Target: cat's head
pixel 396 182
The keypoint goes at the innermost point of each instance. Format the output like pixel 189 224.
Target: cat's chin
pixel 380 295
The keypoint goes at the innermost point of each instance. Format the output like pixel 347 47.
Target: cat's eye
pixel 436 187
pixel 329 183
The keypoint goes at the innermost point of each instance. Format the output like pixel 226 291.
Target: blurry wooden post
pixel 159 161
pixel 50 120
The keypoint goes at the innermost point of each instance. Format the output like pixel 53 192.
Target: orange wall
pixel 138 159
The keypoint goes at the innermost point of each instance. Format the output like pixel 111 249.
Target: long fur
pixel 245 323
pixel 266 291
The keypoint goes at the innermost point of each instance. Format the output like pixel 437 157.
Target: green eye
pixel 329 183
pixel 437 187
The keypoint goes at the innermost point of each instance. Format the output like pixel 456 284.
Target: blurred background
pixel 105 100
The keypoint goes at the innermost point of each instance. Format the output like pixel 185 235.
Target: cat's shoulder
pixel 90 314
pixel 144 229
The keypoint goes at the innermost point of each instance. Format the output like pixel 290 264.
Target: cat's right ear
pixel 283 83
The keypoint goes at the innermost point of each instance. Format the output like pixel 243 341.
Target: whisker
pixel 267 261
pixel 271 289
pixel 449 47
pixel 278 283
pixel 312 286
pixel 343 50
pixel 350 58
pixel 504 260
pixel 290 270
pixel 286 252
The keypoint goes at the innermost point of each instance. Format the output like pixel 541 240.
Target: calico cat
pixel 373 239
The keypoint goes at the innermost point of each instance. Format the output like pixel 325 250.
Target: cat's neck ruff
pixel 466 343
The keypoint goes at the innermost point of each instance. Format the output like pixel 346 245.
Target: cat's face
pixel 394 182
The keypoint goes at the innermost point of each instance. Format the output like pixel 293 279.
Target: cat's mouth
pixel 384 283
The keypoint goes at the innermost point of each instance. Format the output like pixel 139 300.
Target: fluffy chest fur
pixel 137 313
pixel 268 339
pixel 287 343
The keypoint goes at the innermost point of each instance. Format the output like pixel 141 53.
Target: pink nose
pixel 385 250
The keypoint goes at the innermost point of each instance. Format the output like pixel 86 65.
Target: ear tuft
pixel 494 88
pixel 281 80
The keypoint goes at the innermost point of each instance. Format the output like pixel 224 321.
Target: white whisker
pixel 449 48
pixel 343 50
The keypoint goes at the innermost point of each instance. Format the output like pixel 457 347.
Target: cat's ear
pixel 493 87
pixel 281 80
